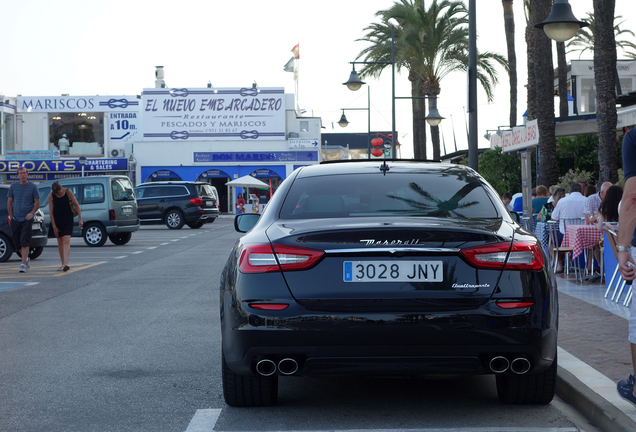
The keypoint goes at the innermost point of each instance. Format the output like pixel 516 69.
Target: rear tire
pixel 94 235
pixel 120 239
pixel 248 391
pixel 6 248
pixel 174 219
pixel 536 389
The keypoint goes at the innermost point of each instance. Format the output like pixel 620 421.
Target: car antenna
pixel 384 167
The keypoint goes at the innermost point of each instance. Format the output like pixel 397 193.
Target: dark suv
pixel 39 231
pixel 176 203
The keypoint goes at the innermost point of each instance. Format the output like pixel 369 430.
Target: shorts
pixel 632 310
pixel 21 231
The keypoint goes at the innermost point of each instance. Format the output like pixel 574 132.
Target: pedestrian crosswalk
pixel 10 270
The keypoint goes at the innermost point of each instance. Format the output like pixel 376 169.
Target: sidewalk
pixel 594 354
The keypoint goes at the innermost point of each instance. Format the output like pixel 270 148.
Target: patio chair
pixel 555 248
pixel 575 263
pixel 619 287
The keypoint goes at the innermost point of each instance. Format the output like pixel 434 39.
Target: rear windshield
pixel 440 195
pixel 206 190
pixel 122 190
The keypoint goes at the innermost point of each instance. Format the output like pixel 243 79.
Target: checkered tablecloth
pixel 541 231
pixel 581 237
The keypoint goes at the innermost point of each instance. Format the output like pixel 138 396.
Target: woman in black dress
pixel 62 220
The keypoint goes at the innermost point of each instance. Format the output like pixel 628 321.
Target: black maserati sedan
pixel 387 268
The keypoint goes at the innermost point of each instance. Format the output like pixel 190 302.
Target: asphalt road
pixel 129 340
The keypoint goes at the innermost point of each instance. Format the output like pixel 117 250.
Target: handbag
pixel 70 202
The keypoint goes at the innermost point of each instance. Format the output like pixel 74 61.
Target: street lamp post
pixel 354 83
pixel 82 161
pixel 561 24
pixel 344 123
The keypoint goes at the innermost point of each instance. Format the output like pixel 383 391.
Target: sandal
pixel 66 268
pixel 61 268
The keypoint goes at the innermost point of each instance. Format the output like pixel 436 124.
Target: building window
pixel 76 134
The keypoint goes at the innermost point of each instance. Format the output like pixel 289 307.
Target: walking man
pixel 625 251
pixel 22 203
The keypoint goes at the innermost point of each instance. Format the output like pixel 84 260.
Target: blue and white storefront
pixel 217 135
pixel 208 134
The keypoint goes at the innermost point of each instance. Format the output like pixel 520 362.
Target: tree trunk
pixel 544 78
pixel 509 23
pixel 419 111
pixel 532 87
pixel 563 79
pixel 605 81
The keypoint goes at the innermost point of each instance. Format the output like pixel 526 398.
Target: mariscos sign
pixel 518 138
pixel 205 114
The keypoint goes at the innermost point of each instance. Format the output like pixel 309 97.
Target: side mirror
pixel 515 216
pixel 245 222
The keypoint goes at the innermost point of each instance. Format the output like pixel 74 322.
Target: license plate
pixel 393 271
pixel 126 210
pixel 209 204
pixel 35 226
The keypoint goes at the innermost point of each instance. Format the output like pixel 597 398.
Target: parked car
pixel 108 206
pixel 401 268
pixel 38 229
pixel 176 203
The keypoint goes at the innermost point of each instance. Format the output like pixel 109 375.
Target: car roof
pixel 377 166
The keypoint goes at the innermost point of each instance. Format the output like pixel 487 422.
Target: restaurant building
pixel 208 134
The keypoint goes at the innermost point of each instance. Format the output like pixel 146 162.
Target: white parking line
pixel 173 240
pixel 152 247
pixel 163 244
pixel 204 420
pixel 121 257
pixel 137 252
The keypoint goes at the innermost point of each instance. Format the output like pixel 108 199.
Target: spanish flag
pixel 296 52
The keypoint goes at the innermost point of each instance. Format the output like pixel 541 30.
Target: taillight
pixel 521 256
pixel 111 214
pixel 264 258
pixel 197 201
pixel 270 306
pixel 511 304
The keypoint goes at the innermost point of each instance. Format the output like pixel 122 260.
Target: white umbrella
pixel 248 181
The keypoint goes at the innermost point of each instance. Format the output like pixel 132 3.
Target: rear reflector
pixel 507 304
pixel 269 306
pixel 519 256
pixel 264 258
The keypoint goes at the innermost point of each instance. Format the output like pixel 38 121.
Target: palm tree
pixel 544 79
pixel 531 89
pixel 585 38
pixel 509 25
pixel 605 44
pixel 430 44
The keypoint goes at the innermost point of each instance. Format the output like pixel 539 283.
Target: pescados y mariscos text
pixel 191 105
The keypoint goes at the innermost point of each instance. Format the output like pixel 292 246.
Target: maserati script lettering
pixel 374 242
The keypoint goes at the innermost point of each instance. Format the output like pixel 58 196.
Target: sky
pixel 111 47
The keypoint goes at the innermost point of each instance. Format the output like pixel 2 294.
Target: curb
pixel 591 405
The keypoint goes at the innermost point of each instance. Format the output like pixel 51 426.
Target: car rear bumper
pixel 456 342
pixel 122 226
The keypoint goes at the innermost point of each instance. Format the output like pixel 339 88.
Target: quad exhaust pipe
pixel 500 364
pixel 520 365
pixel 267 367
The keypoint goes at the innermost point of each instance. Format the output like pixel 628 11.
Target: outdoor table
pixel 580 238
pixel 541 231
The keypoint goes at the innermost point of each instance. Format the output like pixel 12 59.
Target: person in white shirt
pixel 571 206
